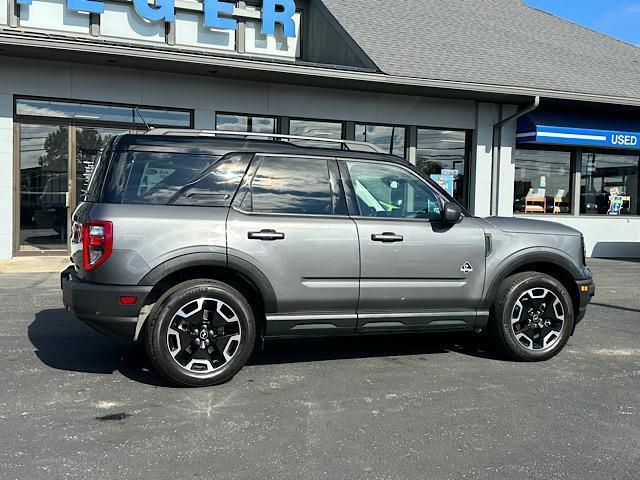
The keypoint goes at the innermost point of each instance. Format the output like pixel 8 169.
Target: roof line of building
pixel 133 50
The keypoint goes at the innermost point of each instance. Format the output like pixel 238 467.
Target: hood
pixel 526 225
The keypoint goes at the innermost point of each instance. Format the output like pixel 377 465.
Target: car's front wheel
pixel 200 333
pixel 533 317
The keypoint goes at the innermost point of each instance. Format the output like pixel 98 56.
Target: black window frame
pixel 406 128
pixel 469 162
pixel 574 163
pixel 276 118
pixel 576 152
pixel 85 122
pixel 243 200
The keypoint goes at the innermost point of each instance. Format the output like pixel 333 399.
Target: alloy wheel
pixel 537 319
pixel 204 335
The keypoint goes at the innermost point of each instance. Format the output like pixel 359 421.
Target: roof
pixel 490 42
pixel 200 145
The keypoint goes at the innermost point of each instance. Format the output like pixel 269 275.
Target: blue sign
pixel 580 136
pixel 445 181
pixel 273 12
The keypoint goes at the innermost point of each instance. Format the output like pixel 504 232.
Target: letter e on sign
pixel 212 11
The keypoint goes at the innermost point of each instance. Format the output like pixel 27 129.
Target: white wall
pixel 605 237
pixel 480 188
pixel 507 168
pixel 6 177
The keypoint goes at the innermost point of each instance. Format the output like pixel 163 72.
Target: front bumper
pixel 587 290
pixel 99 305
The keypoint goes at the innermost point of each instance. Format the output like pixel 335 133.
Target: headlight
pixel 584 250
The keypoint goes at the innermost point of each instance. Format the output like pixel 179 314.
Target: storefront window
pixel 609 184
pixel 245 123
pixel 442 154
pixel 91 112
pixel 316 128
pixel 542 182
pixel 390 139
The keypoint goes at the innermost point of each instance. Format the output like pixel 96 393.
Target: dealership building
pixel 517 112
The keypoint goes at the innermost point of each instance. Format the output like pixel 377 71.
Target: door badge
pixel 467 268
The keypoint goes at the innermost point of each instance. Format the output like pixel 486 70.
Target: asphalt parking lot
pixel 75 404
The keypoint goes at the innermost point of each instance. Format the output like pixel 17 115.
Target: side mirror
pixel 451 212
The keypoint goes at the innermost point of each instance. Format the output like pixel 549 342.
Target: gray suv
pixel 202 244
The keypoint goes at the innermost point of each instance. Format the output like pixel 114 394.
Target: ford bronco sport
pixel 201 244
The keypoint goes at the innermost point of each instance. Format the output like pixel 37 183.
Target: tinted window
pixel 292 185
pixel 152 177
pixel 216 187
pixel 388 191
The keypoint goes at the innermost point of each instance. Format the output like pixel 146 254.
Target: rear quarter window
pixel 158 178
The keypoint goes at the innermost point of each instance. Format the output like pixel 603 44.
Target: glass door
pixel 56 163
pixel 44 187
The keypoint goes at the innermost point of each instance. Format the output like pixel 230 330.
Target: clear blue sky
pixel 617 18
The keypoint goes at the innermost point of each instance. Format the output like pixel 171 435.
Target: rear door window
pixel 291 185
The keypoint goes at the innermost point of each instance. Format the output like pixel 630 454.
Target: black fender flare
pixel 233 264
pixel 524 257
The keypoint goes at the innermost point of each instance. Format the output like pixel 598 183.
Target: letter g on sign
pixel 164 10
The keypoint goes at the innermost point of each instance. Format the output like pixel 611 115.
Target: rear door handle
pixel 387 237
pixel 267 235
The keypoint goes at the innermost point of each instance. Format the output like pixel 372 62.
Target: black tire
pixel 503 333
pixel 165 312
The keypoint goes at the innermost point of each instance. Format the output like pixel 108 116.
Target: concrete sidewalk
pixel 35 264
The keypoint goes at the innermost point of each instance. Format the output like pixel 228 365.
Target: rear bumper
pixel 99 305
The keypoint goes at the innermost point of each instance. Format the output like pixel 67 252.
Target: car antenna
pixel 143 120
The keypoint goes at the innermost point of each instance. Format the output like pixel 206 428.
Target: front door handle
pixel 267 235
pixel 387 237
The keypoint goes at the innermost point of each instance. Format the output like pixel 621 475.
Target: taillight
pixel 97 243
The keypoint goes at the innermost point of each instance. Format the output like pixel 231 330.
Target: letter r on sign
pixel 285 17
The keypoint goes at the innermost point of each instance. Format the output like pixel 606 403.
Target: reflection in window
pixel 442 154
pixel 103 113
pixel 245 123
pixel 390 192
pixel 292 185
pixel 316 128
pixel 542 182
pixel 609 184
pixel 389 139
pixel 217 187
pixel 44 183
pixel 152 178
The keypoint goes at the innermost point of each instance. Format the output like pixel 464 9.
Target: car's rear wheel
pixel 533 317
pixel 201 333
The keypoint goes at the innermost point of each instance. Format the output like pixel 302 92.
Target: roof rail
pixel 346 144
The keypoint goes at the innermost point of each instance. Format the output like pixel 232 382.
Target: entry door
pixel 416 272
pixel 290 224
pixel 56 162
